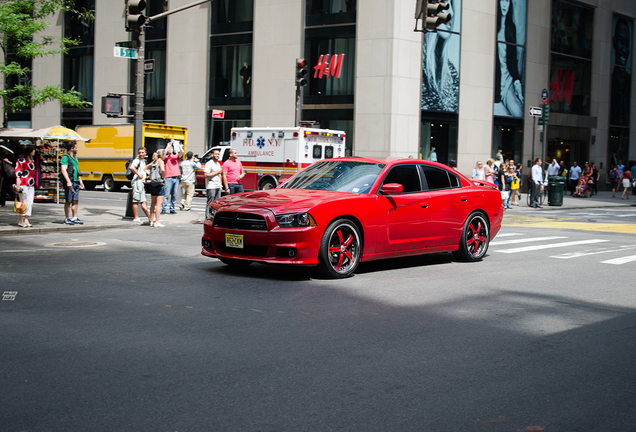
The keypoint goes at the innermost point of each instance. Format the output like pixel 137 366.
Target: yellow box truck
pixel 102 159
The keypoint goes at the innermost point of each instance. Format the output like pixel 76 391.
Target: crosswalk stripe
pixel 619 261
pixel 592 252
pixel 550 246
pixel 526 240
pixel 508 235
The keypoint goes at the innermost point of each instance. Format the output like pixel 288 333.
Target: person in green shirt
pixel 72 185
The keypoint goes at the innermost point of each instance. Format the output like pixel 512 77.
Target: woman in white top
pixel 478 172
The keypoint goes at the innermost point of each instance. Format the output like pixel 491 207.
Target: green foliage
pixel 21 21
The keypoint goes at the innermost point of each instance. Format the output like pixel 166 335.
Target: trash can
pixel 555 190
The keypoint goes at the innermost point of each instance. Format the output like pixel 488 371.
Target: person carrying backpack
pixel 613 179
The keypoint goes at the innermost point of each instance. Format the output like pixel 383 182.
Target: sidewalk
pixel 49 217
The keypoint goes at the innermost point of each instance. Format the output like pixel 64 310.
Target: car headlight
pixel 210 212
pixel 295 220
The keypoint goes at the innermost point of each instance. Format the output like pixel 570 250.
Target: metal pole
pixel 298 108
pixel 139 92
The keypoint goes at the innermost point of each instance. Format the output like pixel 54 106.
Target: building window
pixel 78 63
pixel 508 136
pixel 232 16
pixel 325 12
pixel 510 58
pixel 231 74
pixel 571 58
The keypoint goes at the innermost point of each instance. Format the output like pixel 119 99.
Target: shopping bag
pixel 19 205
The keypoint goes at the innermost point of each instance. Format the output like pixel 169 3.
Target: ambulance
pixel 102 159
pixel 272 154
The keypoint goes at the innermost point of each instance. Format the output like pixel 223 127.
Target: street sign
pixel 218 114
pixel 535 111
pixel 149 66
pixel 125 52
pixel 544 96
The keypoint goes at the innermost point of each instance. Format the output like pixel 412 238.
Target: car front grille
pixel 247 250
pixel 241 221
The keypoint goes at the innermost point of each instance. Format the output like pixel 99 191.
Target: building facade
pixel 461 93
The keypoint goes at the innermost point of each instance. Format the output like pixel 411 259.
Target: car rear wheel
pixel 475 239
pixel 340 249
pixel 235 262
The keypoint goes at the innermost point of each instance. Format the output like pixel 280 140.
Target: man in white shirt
pixel 213 177
pixel 138 167
pixel 537 179
pixel 575 171
pixel 188 179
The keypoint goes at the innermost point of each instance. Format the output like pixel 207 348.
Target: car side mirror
pixel 392 189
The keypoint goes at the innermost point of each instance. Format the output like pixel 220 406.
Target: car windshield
pixel 336 175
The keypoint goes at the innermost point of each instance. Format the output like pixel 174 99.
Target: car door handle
pixel 424 205
pixel 464 198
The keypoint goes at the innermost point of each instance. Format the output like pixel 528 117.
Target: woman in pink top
pixel 489 171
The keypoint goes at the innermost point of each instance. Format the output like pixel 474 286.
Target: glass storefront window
pixel 571 58
pixel 508 136
pixel 231 74
pixel 330 89
pixel 622 31
pixel 438 137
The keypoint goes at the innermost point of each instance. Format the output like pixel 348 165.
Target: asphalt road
pixel 133 330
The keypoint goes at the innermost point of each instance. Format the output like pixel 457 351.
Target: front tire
pixel 475 239
pixel 340 249
pixel 109 184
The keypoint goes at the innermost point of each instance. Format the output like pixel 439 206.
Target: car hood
pixel 283 200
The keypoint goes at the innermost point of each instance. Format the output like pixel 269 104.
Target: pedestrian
pixel 138 184
pixel 575 172
pixel 433 155
pixel 563 172
pixel 514 185
pixel 172 174
pixel 588 173
pixel 489 171
pixel 633 170
pixel 620 167
pixel 25 182
pixel 613 179
pixel 627 181
pixel 478 171
pixel 214 178
pixel 72 185
pixel 509 178
pixel 188 180
pixel 596 175
pixel 233 173
pixel 156 176
pixel 7 175
pixel 553 168
pixel 537 180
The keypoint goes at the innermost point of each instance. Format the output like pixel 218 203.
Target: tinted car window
pixel 406 175
pixel 437 178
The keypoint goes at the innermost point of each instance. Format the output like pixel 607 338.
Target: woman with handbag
pixel 25 183
pixel 156 178
pixel 627 181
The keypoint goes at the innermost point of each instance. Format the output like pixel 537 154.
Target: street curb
pixel 35 231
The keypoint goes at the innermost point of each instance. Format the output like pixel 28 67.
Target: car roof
pixel 392 161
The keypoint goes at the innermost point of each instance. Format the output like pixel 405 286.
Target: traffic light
pixel 111 106
pixel 301 72
pixel 434 15
pixel 135 18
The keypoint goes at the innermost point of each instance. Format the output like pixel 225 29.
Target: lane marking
pixel 508 235
pixel 619 261
pixel 527 240
pixel 551 246
pixel 592 252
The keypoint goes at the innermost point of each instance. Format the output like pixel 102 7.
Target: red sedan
pixel 339 212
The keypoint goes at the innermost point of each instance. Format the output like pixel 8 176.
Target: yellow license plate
pixel 234 240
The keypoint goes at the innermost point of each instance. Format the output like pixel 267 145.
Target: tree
pixel 20 23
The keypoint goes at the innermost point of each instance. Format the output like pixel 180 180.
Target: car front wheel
pixel 475 239
pixel 340 249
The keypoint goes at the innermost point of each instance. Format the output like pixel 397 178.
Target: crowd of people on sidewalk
pixel 161 176
pixel 580 182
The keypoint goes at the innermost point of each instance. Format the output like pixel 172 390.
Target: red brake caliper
pixel 341 249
